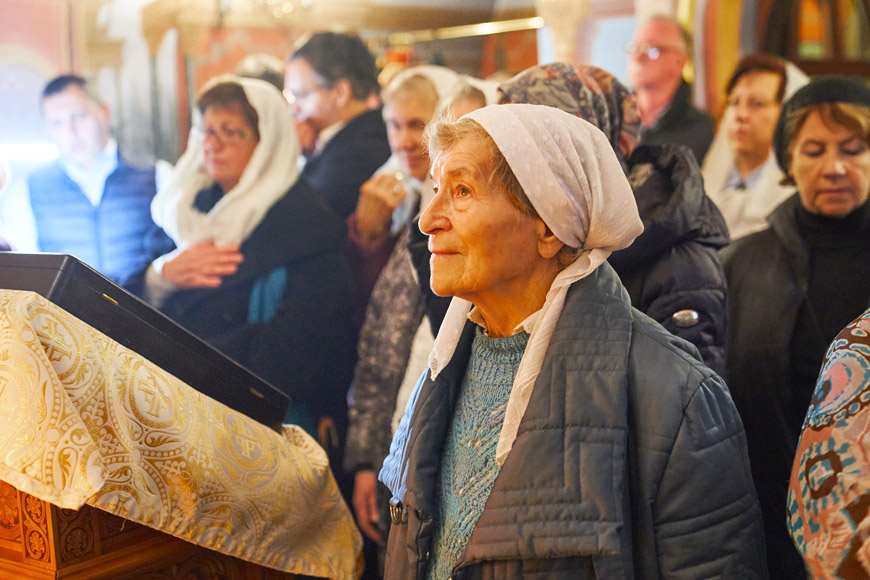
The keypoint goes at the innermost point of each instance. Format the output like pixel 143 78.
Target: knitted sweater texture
pixel 468 466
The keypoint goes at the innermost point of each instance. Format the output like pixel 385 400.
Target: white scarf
pixel 273 168
pixel 573 179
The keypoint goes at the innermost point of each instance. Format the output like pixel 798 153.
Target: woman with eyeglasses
pixel 259 270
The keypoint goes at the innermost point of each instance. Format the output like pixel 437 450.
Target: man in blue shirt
pixel 91 202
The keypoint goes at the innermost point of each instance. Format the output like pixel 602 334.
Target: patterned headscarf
pixel 591 93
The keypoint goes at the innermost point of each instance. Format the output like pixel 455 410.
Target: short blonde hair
pixel 444 134
pixel 412 86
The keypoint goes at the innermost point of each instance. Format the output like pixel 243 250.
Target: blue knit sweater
pixel 468 467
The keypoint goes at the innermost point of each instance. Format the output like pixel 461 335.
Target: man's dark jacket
pixel 348 160
pixel 630 461
pixel 682 124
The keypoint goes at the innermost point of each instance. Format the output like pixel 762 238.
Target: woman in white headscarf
pixel 559 432
pixel 259 270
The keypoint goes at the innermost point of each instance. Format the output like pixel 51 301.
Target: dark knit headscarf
pixel 819 91
pixel 591 93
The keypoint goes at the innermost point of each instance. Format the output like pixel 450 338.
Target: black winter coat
pixel 629 463
pixel 672 269
pixel 768 277
pixel 347 160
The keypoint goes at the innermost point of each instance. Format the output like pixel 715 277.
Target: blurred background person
pixel 91 202
pixel 534 375
pixel 795 285
pixel 463 99
pixel 659 50
pixel 329 82
pixel 260 271
pixel 394 315
pixel 829 492
pixel 740 171
pixel 393 196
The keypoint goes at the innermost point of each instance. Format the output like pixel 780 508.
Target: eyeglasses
pixel 226 135
pixel 292 97
pixel 650 51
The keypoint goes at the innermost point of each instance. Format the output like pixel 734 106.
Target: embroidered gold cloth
pixel 86 420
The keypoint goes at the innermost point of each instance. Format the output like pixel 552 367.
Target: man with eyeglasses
pixel 331 84
pixel 92 203
pixel 657 54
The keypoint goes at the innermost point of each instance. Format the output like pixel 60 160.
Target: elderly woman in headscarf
pixel 559 432
pixel 795 285
pixel 672 271
pixel 259 270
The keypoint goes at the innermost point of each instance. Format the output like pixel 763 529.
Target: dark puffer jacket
pixel 673 270
pixel 630 461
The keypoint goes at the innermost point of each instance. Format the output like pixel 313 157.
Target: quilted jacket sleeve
pixel 706 517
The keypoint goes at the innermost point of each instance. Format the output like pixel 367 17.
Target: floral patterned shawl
pixel 829 493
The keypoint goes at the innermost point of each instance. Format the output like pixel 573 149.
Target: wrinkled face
pixel 78 126
pixel 831 166
pixel 406 119
pixel 666 39
pixel 480 242
pixel 228 144
pixel 752 112
pixel 310 100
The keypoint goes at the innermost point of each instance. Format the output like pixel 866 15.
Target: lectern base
pixel 39 541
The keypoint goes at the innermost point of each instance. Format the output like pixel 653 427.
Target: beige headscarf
pixel 273 168
pixel 573 179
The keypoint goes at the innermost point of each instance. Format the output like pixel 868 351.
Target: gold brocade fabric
pixel 86 420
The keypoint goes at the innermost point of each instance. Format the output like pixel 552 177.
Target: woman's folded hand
pixel 202 265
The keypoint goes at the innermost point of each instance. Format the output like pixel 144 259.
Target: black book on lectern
pixel 95 300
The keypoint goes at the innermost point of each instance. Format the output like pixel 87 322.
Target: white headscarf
pixel 573 179
pixel 273 168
